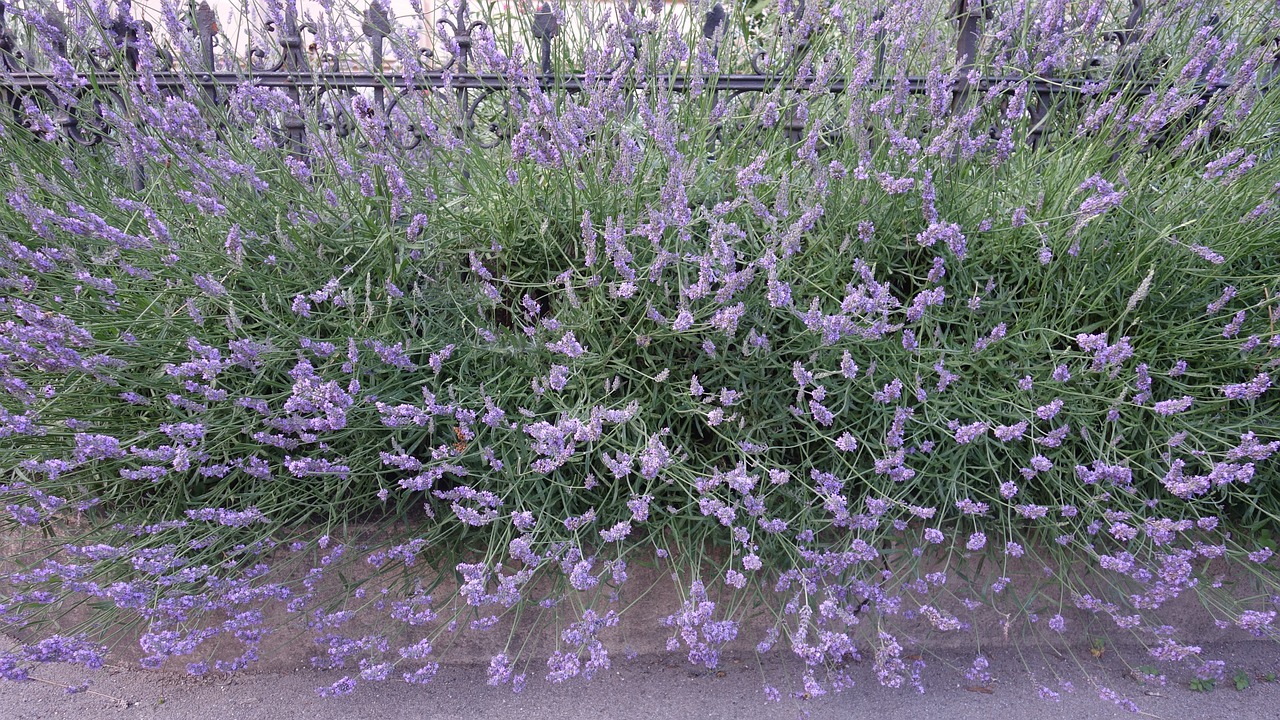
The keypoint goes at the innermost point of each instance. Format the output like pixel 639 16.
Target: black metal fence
pixel 307 82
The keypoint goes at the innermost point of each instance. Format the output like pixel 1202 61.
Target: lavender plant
pixel 817 351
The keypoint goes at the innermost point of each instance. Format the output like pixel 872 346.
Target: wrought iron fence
pixel 307 82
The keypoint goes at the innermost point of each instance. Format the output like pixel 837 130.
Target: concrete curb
pixel 648 596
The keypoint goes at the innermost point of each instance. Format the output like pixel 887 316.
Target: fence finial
pixel 206 29
pixel 714 19
pixel 124 33
pixel 376 25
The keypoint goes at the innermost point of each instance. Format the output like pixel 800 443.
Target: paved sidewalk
pixel 662 688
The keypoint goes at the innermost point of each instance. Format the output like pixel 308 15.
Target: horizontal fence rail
pixel 307 86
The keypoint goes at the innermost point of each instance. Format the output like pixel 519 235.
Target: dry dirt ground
pixel 657 688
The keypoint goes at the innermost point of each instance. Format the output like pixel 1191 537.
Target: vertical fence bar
pixel 9 62
pixel 206 27
pixel 1131 22
pixel 1041 102
pixel 797 17
pixel 1273 74
pixel 878 21
pixel 9 52
pixel 711 25
pixel 294 63
pixel 462 25
pixel 969 24
pixel 633 49
pixel 545 29
pixel 376 27
pixel 123 31
pixel 794 126
pixel 1214 22
pixel 53 17
pixel 1125 37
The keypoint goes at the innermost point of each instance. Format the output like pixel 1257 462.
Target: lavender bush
pixel 817 351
